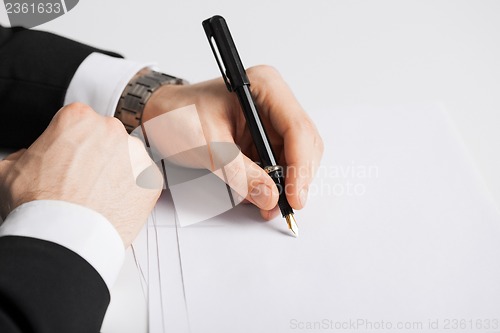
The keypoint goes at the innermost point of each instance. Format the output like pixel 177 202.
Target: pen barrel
pixel 263 146
pixel 255 126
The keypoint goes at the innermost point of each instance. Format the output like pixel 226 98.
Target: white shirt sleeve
pixel 100 80
pixel 80 229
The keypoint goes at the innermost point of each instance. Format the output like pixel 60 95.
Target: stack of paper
pixel 399 233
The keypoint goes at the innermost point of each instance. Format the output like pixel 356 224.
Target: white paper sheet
pixel 399 233
pixel 157 256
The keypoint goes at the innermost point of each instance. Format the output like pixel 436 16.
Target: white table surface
pixel 332 53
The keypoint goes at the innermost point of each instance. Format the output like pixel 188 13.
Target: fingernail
pixel 303 197
pixel 260 194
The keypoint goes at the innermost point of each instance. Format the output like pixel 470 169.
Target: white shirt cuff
pixel 80 229
pixel 100 80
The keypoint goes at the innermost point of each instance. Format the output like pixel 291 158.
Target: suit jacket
pixel 35 71
pixel 44 287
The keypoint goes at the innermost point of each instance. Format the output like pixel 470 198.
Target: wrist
pixel 164 99
pixel 136 95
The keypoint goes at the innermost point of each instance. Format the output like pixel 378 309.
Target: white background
pixel 332 53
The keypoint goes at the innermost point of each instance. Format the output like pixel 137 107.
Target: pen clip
pixel 220 63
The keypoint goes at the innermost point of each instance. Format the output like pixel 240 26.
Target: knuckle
pixel 265 79
pixel 319 144
pixel 264 72
pixel 236 178
pixel 306 126
pixel 318 141
pixel 77 110
pixel 235 175
pixel 74 112
pixel 114 126
pixel 80 107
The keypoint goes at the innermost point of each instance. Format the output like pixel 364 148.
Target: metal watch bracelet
pixel 137 93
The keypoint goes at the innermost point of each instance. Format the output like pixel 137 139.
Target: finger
pixel 244 177
pixel 303 147
pixel 250 182
pixel 262 190
pixel 14 156
pixel 247 179
pixel 303 151
pixel 270 214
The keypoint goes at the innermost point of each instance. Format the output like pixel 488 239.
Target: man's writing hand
pixel 295 140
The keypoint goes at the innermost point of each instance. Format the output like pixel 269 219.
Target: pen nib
pixel 292 224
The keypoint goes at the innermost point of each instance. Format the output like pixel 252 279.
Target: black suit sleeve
pixel 46 288
pixel 35 71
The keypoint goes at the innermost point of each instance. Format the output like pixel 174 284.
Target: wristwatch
pixel 137 93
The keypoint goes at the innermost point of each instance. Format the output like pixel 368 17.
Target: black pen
pixel 236 80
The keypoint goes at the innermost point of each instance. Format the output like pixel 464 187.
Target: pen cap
pixel 225 52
